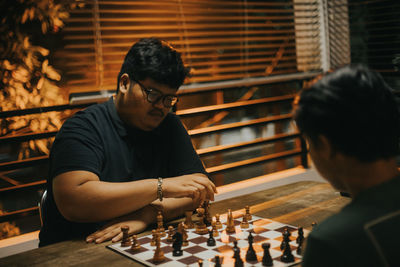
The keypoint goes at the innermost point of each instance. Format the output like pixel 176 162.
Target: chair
pixel 41 206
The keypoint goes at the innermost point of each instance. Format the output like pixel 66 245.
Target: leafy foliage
pixel 26 77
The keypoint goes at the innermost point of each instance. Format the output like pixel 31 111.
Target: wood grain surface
pixel 298 204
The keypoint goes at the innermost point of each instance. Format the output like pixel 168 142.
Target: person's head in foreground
pixel 149 78
pixel 349 118
pixel 350 121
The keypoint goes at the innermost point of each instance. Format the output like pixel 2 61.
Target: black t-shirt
pixel 96 140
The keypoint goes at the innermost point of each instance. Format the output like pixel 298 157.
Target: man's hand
pixel 137 222
pixel 196 186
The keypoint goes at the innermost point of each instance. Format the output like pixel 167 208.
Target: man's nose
pixel 159 103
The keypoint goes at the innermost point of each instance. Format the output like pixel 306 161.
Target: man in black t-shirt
pixel 119 162
pixel 351 123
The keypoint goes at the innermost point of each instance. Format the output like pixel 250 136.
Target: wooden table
pixel 298 204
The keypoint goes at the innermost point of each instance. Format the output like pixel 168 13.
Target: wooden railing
pixel 217 150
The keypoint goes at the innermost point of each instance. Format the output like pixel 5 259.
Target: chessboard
pixel 263 231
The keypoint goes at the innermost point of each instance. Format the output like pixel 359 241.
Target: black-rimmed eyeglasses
pixel 153 96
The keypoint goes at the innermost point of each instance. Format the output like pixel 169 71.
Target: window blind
pixel 220 39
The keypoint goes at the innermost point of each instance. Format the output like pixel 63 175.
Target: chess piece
pixel 207 216
pixel 177 244
pixel 300 235
pixel 126 240
pixel 211 241
pixel 244 224
pixel 236 255
pixel 188 220
pixel 287 255
pixel 217 261
pixel 251 253
pixel 182 230
pixel 214 229
pixel 299 249
pixel 201 227
pixel 160 224
pixel 285 238
pixel 171 232
pixel 266 259
pixel 158 253
pixel 230 224
pixel 154 237
pixel 248 214
pixel 135 243
pixel 218 223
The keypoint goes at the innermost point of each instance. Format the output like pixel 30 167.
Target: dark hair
pixel 155 59
pixel 355 109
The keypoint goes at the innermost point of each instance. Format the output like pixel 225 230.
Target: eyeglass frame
pixel 161 96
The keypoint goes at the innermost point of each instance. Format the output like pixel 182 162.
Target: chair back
pixel 41 206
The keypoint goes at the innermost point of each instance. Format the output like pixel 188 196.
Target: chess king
pixel 118 162
pixel 350 120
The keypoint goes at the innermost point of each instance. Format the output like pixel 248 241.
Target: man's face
pixel 325 161
pixel 134 108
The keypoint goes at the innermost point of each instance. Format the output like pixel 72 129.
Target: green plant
pixel 27 79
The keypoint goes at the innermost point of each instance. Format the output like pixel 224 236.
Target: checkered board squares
pixel 263 230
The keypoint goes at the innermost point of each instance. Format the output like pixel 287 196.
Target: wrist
pixel 159 188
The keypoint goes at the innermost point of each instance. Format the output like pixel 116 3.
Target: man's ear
pixel 124 83
pixel 326 145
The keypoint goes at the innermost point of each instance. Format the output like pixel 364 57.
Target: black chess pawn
pixel 236 255
pixel 287 255
pixel 251 254
pixel 299 249
pixel 266 259
pixel 211 241
pixel 285 238
pixel 300 235
pixel 217 260
pixel 177 244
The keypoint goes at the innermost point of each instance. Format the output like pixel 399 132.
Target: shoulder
pixel 348 221
pixel 88 124
pixel 90 116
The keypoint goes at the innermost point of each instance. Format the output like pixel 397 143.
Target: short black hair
pixel 155 59
pixel 355 109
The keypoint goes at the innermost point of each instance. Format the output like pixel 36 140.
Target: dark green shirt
pixel 96 140
pixel 366 232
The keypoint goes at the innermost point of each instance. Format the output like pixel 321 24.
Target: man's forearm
pixel 99 201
